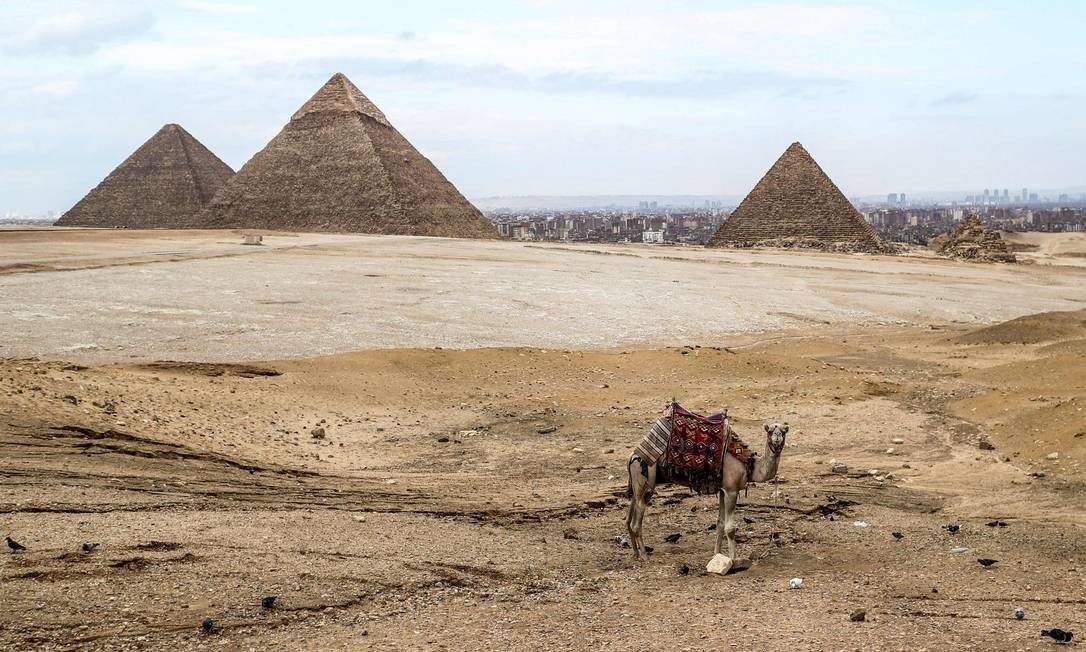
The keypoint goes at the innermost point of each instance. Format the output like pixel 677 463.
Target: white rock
pixel 890 451
pixel 1053 456
pixel 958 551
pixel 897 440
pixel 719 565
pixel 795 583
pixel 860 524
pixel 873 471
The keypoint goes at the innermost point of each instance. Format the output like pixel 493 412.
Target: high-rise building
pixel 902 199
pixel 1025 195
pixel 891 199
pixel 986 197
pixel 1006 196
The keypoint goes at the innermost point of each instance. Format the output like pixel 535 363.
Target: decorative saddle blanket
pixel 691 447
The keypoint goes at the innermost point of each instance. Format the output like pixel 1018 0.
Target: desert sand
pixel 420 444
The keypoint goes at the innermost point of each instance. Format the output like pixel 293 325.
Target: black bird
pixel 267 602
pixel 1057 634
pixel 14 545
pixel 649 549
pixel 987 562
pixel 684 569
pixel 996 524
pixel 673 538
pixel 88 546
pixel 712 527
pixel 897 535
pixel 748 520
pixel 776 539
pixel 208 625
pixel 952 528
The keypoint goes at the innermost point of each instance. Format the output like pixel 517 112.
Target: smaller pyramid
pixel 162 185
pixel 796 205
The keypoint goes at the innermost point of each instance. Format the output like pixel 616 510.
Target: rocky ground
pixel 430 498
pixel 426 497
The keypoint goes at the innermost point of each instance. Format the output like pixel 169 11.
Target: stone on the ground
pixel 858 616
pixel 720 564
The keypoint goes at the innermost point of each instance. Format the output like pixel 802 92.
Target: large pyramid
pixel 338 165
pixel 163 184
pixel 796 205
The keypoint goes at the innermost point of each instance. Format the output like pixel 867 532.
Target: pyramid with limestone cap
pixel 163 184
pixel 796 205
pixel 339 165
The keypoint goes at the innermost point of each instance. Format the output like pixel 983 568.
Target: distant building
pixel 891 199
pixel 656 237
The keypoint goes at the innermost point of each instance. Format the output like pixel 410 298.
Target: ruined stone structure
pixel 339 165
pixel 163 184
pixel 796 205
pixel 971 240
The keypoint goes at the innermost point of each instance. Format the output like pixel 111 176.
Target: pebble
pixel 1053 456
pixel 959 550
pixel 795 583
pixel 858 616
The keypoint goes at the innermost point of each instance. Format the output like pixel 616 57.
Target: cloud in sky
pixel 72 28
pixel 557 96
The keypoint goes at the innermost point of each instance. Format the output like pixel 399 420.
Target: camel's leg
pixel 721 522
pixel 728 504
pixel 640 489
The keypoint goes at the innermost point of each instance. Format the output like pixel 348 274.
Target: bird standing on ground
pixel 268 602
pixel 673 538
pixel 1057 634
pixel 987 562
pixel 1019 613
pixel 897 535
pixel 996 523
pixel 208 625
pixel 952 528
pixel 14 545
pixel 88 546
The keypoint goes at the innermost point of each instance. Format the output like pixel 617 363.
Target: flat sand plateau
pixel 158 394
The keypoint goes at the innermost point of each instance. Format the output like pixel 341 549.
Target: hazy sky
pixel 562 96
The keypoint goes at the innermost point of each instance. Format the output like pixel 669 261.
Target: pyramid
pixel 163 184
pixel 339 165
pixel 796 205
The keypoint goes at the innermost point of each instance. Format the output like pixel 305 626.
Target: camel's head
pixel 775 434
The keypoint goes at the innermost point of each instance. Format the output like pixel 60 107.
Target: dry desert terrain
pixel 419 443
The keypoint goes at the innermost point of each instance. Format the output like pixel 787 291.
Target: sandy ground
pixel 1049 248
pixel 143 295
pixel 470 499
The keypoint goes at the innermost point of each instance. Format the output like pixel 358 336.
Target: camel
pixel 643 480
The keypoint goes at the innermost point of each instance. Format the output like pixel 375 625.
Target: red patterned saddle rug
pixel 696 447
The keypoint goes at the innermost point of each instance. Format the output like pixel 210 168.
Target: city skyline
pixel 549 98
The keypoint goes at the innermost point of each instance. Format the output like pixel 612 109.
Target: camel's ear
pixel 766 426
pixel 784 430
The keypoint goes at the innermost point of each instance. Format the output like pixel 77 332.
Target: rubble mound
pixel 976 242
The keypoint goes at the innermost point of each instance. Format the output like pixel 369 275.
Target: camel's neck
pixel 765 468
